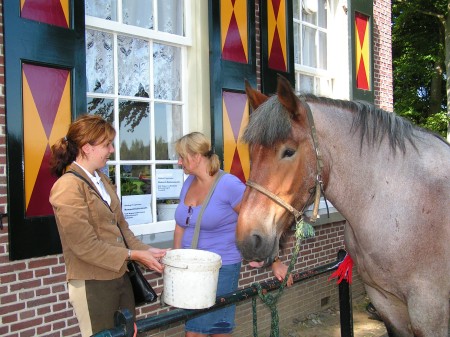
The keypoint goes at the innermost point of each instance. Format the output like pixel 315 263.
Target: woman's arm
pixel 177 236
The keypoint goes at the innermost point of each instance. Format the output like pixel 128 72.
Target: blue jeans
pixel 219 321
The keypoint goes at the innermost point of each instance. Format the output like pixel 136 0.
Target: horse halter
pixel 298 215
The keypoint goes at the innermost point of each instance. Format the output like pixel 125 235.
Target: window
pixel 135 57
pixel 311 39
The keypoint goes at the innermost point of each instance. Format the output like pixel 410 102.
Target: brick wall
pixel 33 293
pixel 382 49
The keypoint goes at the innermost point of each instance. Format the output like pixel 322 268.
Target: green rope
pixel 303 230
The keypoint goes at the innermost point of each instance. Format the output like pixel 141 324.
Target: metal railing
pixel 124 324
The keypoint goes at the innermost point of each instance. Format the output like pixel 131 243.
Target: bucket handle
pixel 185 266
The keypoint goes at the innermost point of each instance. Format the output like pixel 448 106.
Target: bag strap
pixel 98 194
pixel 200 215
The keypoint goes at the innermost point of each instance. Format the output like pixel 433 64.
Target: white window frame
pixel 319 75
pixel 184 42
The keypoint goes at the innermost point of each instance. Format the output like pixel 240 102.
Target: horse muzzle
pixel 258 247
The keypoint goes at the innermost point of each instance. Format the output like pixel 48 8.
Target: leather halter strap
pixel 275 198
pixel 318 185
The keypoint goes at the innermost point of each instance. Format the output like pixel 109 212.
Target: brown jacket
pixel 92 244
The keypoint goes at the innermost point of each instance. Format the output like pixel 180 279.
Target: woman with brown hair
pixel 92 226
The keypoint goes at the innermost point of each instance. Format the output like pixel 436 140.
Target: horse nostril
pixel 256 241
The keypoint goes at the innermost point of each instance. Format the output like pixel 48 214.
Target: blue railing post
pixel 123 325
pixel 125 319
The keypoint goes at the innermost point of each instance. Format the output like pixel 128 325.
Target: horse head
pixel 283 170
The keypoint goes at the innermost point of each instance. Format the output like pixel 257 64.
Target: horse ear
pixel 255 97
pixel 287 96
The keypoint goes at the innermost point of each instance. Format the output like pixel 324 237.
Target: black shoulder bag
pixel 142 290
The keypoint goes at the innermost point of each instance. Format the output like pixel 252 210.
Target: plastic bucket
pixel 190 278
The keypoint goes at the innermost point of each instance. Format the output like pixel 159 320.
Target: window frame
pixel 152 36
pixel 318 74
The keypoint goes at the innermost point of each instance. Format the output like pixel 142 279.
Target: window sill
pixel 334 216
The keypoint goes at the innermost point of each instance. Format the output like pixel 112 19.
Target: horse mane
pixel 271 122
pixel 374 123
pixel 268 124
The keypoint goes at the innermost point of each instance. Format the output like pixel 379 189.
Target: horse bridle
pixel 318 190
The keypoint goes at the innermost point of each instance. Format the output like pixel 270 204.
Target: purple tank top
pixel 218 225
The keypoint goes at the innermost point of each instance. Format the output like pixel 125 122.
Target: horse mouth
pixel 258 248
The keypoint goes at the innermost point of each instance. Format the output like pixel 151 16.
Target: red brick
pixel 27 314
pixel 4 309
pixel 26 324
pixel 41 301
pixel 26 285
pixel 43 262
pixel 11 298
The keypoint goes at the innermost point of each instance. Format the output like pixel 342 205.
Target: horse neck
pixel 351 170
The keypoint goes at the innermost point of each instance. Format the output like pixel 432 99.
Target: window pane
pixel 322 15
pixel 168 128
pixel 103 9
pixel 138 13
pixel 309 47
pixel 99 62
pixel 170 17
pixel 306 84
pixel 296 9
pixel 135 180
pixel 134 133
pixel 167 68
pixel 133 66
pixel 169 180
pixel 308 15
pixel 297 43
pixel 110 171
pixel 103 107
pixel 322 50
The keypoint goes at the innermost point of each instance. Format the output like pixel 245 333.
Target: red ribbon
pixel 344 271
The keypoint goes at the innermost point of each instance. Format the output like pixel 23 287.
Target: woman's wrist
pixel 129 255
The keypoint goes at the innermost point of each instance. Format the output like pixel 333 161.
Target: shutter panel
pixel 45 89
pixel 361 32
pixel 277 43
pixel 232 60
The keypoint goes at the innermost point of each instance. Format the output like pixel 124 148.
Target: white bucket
pixel 190 278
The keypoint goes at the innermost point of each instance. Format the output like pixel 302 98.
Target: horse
pixel 388 178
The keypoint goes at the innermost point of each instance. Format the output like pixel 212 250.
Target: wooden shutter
pixel 232 60
pixel 277 43
pixel 45 89
pixel 361 32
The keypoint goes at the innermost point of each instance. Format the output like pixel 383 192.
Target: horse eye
pixel 288 153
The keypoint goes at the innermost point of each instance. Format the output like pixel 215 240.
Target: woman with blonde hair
pixel 218 224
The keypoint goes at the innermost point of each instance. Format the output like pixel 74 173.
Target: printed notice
pixel 137 208
pixel 169 183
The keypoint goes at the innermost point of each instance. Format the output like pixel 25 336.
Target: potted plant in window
pixel 166 209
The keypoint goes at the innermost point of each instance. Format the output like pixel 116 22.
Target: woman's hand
pixel 279 270
pixel 150 258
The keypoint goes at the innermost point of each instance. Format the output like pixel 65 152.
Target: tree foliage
pixel 419 62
